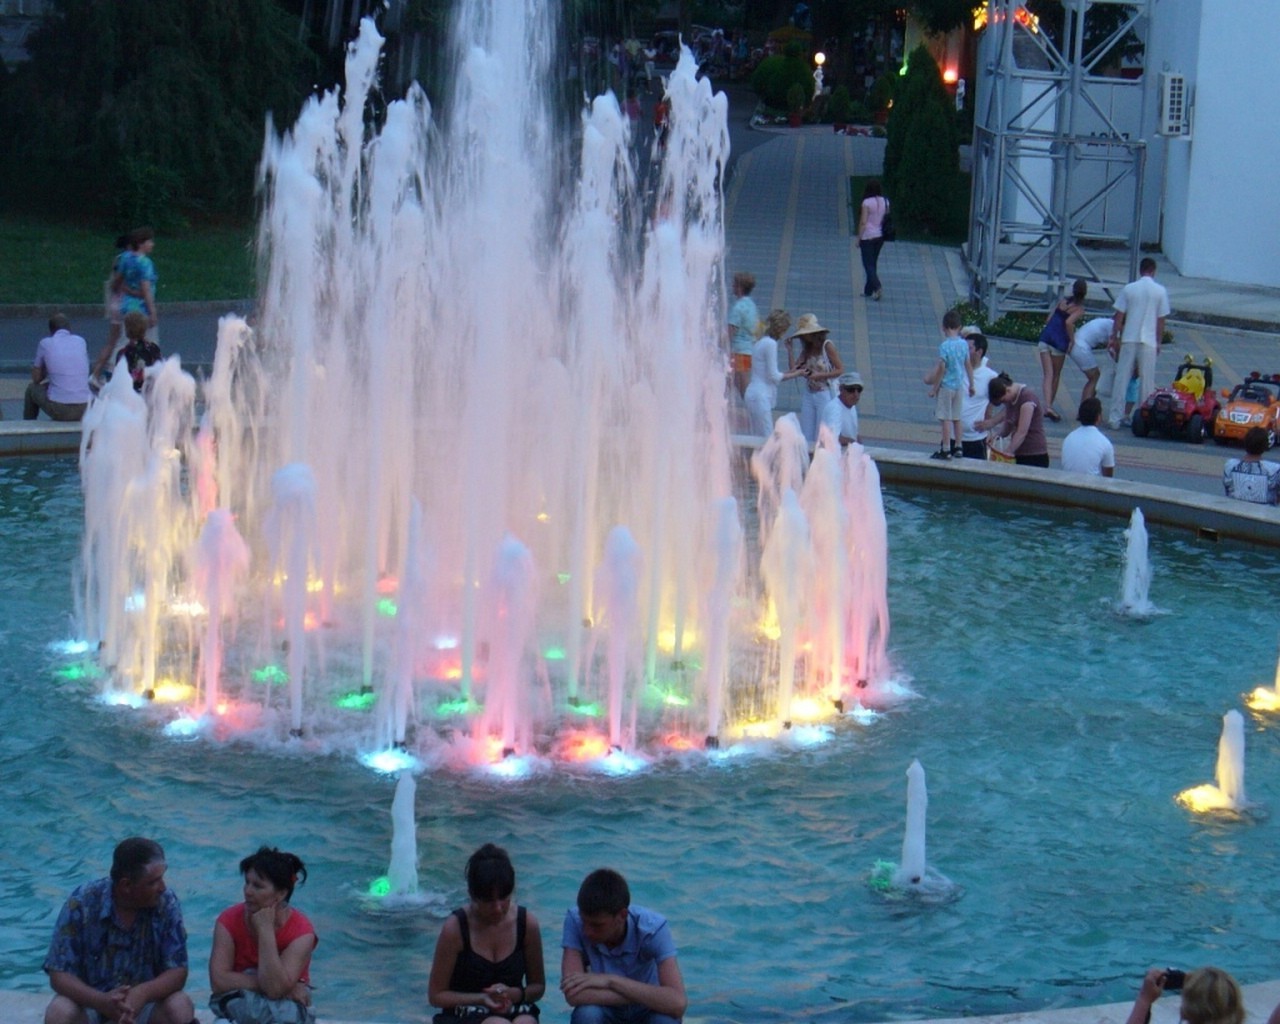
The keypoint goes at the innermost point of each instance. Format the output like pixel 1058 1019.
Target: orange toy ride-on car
pixel 1253 403
pixel 1186 409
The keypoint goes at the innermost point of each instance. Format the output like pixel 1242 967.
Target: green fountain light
pixel 356 701
pixel 271 675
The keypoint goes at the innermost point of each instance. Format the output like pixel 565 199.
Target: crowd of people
pixel 119 950
pixel 981 412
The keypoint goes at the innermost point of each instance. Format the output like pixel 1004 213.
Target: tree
pixel 149 115
pixel 921 155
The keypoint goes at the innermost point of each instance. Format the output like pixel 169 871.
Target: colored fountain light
pixel 1227 792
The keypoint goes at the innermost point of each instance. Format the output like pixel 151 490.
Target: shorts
pixel 740 361
pixel 1043 347
pixel 949 405
pixel 1083 357
pixel 1041 460
pixel 974 449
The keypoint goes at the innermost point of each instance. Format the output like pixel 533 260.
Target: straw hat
pixel 808 324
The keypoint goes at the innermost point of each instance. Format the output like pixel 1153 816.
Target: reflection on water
pixel 1055 735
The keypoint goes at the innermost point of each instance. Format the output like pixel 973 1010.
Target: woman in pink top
pixel 871 236
pixel 260 965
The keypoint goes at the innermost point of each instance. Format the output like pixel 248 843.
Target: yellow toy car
pixel 1255 402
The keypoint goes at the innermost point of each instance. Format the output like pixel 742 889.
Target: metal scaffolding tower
pixel 1057 158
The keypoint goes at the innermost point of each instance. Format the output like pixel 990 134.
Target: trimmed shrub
pixel 774 76
pixel 840 105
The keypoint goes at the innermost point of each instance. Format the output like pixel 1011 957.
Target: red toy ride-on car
pixel 1187 409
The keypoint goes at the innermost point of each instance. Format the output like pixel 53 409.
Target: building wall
pixel 1221 205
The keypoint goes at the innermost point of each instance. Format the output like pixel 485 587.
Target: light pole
pixel 819 59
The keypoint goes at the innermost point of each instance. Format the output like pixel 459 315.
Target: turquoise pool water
pixel 1055 737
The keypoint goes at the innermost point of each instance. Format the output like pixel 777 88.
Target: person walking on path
pixel 60 376
pixel 818 363
pixel 949 381
pixel 1056 340
pixel 871 237
pixel 1141 310
pixel 139 278
pixel 1087 449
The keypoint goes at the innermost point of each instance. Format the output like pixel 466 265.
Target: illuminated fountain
pixel 1228 792
pixel 1265 698
pixel 476 444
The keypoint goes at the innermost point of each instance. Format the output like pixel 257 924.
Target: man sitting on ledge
pixel 60 377
pixel 119 950
pixel 1253 478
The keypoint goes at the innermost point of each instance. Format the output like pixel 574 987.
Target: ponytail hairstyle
pixel 281 869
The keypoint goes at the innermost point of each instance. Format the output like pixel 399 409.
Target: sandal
pixel 1051 415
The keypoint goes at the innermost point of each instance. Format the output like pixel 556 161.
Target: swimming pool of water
pixel 1055 736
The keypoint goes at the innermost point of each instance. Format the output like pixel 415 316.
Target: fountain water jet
pixel 913 874
pixel 1228 793
pixel 408 291
pixel 1136 582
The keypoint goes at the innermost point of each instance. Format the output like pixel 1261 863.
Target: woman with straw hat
pixel 818 363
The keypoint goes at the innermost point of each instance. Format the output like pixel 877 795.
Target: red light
pixel 951 76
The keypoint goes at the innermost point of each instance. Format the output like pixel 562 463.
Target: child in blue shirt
pixel 949 381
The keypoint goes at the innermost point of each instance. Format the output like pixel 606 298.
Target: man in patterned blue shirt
pixel 119 950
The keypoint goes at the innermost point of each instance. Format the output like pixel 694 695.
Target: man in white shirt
pixel 1088 338
pixel 60 376
pixel 1087 449
pixel 1252 478
pixel 973 442
pixel 840 415
pixel 1141 310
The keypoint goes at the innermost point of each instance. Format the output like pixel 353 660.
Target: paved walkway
pixel 788 223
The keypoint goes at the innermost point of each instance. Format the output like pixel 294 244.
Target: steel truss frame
pixel 1027 241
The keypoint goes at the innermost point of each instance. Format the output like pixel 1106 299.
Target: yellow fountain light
pixel 314 584
pixel 678 700
pixel 191 609
pixel 170 691
pixel 809 709
pixel 1264 698
pixel 759 730
pixel 542 517
pixel 667 639
pixel 1204 799
pixel 768 626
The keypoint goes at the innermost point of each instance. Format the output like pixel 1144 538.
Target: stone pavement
pixel 788 222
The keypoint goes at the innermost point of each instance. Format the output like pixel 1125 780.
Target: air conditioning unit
pixel 1175 109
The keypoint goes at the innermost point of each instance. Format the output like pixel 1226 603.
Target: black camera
pixel 1173 980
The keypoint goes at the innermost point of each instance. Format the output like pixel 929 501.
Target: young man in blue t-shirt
pixel 619 961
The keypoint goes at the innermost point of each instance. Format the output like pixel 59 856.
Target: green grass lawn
pixel 46 263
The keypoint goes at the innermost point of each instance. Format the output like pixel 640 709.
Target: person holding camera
pixel 1209 996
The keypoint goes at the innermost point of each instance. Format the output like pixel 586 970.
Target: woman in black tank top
pixel 488 963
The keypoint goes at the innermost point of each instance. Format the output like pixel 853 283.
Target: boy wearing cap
pixel 840 415
pixel 949 381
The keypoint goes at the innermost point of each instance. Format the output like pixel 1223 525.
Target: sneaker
pixel 941 453
pixel 956 453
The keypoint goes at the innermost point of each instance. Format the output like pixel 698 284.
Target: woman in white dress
pixel 762 392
